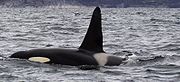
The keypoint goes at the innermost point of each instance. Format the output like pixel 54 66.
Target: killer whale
pixel 90 51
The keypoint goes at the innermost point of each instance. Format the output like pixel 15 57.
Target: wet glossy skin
pixel 60 56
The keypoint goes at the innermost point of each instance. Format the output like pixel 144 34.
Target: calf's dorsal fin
pixel 93 40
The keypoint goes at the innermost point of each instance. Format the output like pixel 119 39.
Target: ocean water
pixel 152 35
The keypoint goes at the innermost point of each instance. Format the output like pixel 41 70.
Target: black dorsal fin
pixel 93 40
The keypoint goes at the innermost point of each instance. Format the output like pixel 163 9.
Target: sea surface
pixel 152 35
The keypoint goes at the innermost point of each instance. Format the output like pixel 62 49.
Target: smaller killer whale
pixel 90 51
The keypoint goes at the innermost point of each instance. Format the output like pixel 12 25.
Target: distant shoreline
pixel 92 3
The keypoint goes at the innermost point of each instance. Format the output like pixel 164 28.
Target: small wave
pixel 51 17
pixel 152 59
pixel 124 53
pixel 155 20
pixel 33 18
pixel 144 60
pixel 160 20
pixel 177 22
pixel 89 67
pixel 74 30
pixel 164 71
pixel 113 46
pixel 115 72
pixel 8 77
pixel 164 66
pixel 141 13
pixel 169 47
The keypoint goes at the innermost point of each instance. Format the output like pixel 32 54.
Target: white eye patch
pixel 101 58
pixel 39 59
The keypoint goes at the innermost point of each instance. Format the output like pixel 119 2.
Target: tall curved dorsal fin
pixel 93 40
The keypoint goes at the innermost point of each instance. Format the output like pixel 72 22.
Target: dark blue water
pixel 151 35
